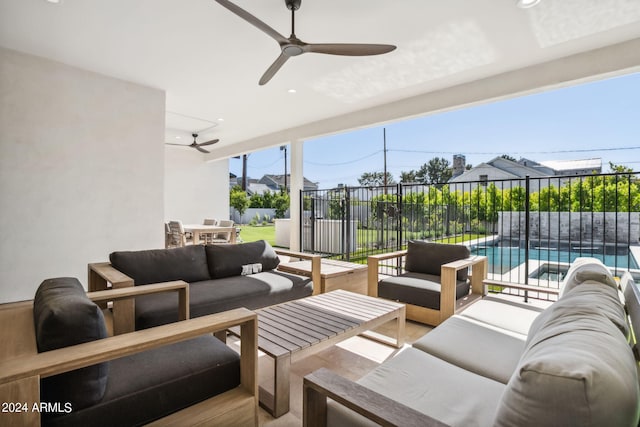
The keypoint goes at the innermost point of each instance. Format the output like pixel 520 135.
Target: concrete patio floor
pixel 352 358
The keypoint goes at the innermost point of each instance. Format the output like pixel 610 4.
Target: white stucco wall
pixel 81 170
pixel 195 189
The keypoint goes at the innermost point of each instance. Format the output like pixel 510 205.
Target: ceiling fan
pixel 293 46
pixel 196 145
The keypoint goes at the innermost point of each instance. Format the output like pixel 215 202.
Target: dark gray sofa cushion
pixel 213 296
pixel 227 260
pixel 155 383
pixel 417 289
pixel 428 258
pixel 162 265
pixel 63 316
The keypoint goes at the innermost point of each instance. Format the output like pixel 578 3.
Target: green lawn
pixel 252 233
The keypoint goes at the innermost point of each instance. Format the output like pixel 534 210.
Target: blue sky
pixel 598 119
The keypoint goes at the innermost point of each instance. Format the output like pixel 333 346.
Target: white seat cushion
pixel 509 315
pixel 429 385
pixel 475 347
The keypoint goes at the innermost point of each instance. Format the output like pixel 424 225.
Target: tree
pixel 368 179
pixel 256 201
pixel 508 157
pixel 619 168
pixel 408 177
pixel 436 171
pixel 281 203
pixel 238 199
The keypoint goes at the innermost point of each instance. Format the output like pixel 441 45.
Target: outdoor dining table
pixel 197 229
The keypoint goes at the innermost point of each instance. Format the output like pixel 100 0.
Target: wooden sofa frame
pixel 448 302
pixel 324 384
pixel 22 367
pixel 103 276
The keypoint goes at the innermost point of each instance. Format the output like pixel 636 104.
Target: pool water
pixel 504 258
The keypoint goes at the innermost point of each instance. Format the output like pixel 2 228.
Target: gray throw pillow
pixel 63 316
pixel 228 260
pixel 428 258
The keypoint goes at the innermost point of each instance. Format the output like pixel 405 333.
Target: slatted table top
pixel 295 325
pixel 296 329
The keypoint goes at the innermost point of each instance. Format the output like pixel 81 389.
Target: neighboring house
pixel 276 182
pixel 567 167
pixel 507 172
pixel 271 183
pixel 253 186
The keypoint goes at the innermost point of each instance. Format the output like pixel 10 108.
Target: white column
pixel 297 184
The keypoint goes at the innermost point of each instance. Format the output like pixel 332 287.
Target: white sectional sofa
pixel 505 364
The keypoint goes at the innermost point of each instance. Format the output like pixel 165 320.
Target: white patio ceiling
pixel 450 53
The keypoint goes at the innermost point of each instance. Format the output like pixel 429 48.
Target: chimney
pixel 459 163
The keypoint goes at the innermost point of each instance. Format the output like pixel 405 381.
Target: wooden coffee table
pixel 290 331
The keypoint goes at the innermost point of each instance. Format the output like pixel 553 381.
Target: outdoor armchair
pixel 177 374
pixel 430 278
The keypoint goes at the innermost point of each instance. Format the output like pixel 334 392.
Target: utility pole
pixel 244 172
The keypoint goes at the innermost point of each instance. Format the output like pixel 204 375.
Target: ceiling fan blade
pixel 273 69
pixel 177 145
pixel 253 20
pixel 202 150
pixel 349 49
pixel 213 141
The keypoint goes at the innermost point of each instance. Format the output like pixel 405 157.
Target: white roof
pixel 560 165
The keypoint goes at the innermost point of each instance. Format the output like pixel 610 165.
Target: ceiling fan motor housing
pixel 293 4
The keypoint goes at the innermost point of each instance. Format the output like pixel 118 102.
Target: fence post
pixel 347 217
pixel 301 222
pixel 399 217
pixel 312 222
pixel 526 236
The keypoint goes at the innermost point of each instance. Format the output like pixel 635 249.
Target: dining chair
pixel 167 235
pixel 208 237
pixel 178 237
pixel 223 237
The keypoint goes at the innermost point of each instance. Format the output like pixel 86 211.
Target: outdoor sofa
pixel 505 363
pixel 220 277
pixel 59 367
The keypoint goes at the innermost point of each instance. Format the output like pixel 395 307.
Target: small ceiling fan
pixel 293 46
pixel 196 145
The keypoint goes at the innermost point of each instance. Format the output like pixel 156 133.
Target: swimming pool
pixel 504 258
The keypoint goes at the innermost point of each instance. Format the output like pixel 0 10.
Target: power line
pixel 583 150
pixel 345 162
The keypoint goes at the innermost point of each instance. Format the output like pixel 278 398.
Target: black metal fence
pixel 531 229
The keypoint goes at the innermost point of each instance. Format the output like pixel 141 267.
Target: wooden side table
pixel 334 274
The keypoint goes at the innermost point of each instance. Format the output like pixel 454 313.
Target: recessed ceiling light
pixel 55 1
pixel 291 91
pixel 526 4
pixel 178 137
pixel 221 119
